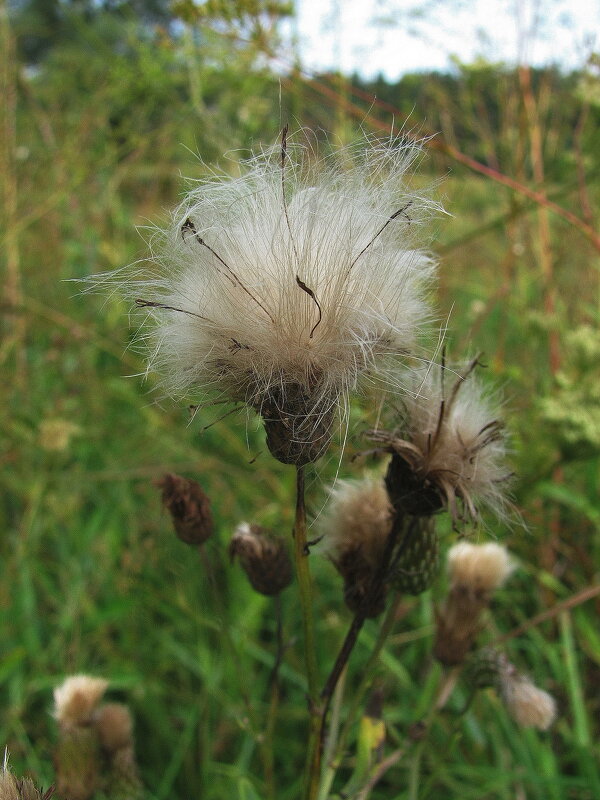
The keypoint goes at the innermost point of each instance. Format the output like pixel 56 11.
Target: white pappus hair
pixel 298 277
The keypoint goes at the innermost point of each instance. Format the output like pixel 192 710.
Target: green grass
pixel 93 579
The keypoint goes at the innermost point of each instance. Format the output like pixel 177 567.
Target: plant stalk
pixel 301 552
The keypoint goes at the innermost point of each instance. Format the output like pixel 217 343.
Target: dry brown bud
pixel 263 557
pixel 189 508
pixel 115 727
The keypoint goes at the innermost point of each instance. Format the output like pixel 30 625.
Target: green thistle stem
pixel 308 627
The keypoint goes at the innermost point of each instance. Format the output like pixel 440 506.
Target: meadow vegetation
pixel 100 131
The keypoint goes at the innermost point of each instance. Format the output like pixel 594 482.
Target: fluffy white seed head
pixel 76 699
pixel 528 705
pixel 294 279
pixel 453 440
pixel 479 568
pixel 358 518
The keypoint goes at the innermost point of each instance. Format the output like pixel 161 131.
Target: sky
pixel 398 36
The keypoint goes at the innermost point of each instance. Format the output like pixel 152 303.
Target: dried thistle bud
pixel 415 569
pixel 189 508
pixel 358 575
pixel 264 558
pixel 450 449
pixel 355 529
pixel 115 726
pixel 475 571
pixel 78 762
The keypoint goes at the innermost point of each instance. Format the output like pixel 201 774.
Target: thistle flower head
pixel 282 287
pixel 358 518
pixel 355 530
pixel 76 699
pixel 451 447
pixel 475 572
pixel 479 568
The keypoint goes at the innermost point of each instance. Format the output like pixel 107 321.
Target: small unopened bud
pixel 475 571
pixel 189 508
pixel 417 566
pixel 264 558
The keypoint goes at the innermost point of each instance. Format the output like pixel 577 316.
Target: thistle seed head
pixel 355 529
pixel 281 288
pixel 12 788
pixel 479 569
pixel 449 450
pixel 475 572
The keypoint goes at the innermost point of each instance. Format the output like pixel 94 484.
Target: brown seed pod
pixel 264 558
pixel 189 508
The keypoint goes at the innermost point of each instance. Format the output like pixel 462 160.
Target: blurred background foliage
pixel 105 106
